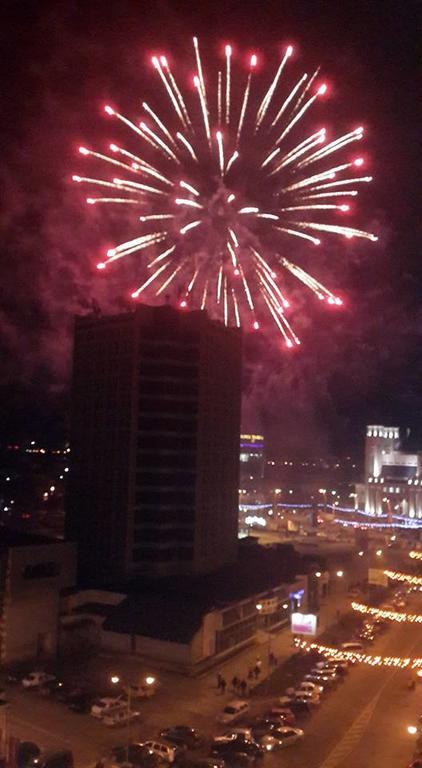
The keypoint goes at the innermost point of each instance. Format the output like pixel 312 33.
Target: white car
pixel 281 737
pixel 35 679
pixel 108 706
pixel 308 687
pixel 166 752
pixel 234 710
pixel 120 717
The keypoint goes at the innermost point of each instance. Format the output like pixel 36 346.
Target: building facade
pixel 155 443
pixel 180 632
pixel 33 574
pixel 252 457
pixel 393 478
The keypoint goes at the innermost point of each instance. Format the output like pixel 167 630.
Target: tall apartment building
pixel 155 443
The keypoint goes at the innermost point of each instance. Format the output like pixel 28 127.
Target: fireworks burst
pixel 227 179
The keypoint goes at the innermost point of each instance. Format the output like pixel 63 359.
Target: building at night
pixel 33 573
pixel 155 443
pixel 252 457
pixel 393 478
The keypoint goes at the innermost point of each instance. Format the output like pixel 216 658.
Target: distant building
pixel 393 478
pixel 33 573
pixel 252 457
pixel 155 443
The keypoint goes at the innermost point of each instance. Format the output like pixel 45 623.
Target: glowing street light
pixel 318 574
pixel 378 552
pixel 258 606
pixel 340 574
pixel 115 679
pixel 149 680
pixel 412 730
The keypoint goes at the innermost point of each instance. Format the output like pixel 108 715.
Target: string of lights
pixel 415 555
pixel 410 526
pixel 399 662
pixel 378 613
pixel 415 581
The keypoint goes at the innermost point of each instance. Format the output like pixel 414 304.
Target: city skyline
pixel 359 366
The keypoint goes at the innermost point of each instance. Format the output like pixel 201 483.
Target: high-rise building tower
pixel 155 443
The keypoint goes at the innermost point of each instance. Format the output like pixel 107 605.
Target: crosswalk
pixel 353 736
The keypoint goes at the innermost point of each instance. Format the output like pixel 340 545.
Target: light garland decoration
pixel 373 661
pixel 415 555
pixel 378 613
pixel 416 581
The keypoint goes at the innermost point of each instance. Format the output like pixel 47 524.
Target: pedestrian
pixel 219 679
pixel 223 686
pixel 250 673
pixel 243 687
pixel 271 659
pixel 258 662
pixel 235 683
pixel 257 671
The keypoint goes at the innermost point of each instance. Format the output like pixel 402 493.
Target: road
pixel 362 723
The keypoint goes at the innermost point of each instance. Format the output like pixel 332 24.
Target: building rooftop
pixel 172 608
pixel 11 538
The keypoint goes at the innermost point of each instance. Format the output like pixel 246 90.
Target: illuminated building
pixel 393 478
pixel 252 455
pixel 155 443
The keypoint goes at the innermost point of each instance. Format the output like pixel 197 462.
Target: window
pixel 41 571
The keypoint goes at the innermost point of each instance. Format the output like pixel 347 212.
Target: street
pixel 371 702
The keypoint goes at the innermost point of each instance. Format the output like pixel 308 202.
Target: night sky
pixel 64 60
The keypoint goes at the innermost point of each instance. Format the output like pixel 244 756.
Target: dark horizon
pixel 355 367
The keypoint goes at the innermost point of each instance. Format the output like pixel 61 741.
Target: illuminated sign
pixel 304 623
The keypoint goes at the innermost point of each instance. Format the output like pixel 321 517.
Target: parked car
pixel 233 711
pixel 53 759
pixel 307 687
pixel 299 707
pixel 352 647
pixel 35 679
pixel 204 762
pixel 132 755
pixel 183 736
pixel 327 681
pixel 166 752
pixel 282 737
pixel 120 717
pixel 310 698
pixel 107 706
pixel 239 733
pixel 79 701
pixel 226 745
pixel 282 715
pixel 262 725
pixel 53 687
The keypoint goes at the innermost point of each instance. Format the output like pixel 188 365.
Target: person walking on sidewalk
pixel 235 683
pixel 243 688
pixel 219 679
pixel 223 686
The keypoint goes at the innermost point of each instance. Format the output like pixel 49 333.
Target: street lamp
pixel 360 553
pixel 115 679
pixel 318 574
pixel 412 730
pixel 150 680
pixel 340 574
pixel 378 552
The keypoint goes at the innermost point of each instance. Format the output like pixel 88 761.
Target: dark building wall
pixel 102 405
pixel 155 432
